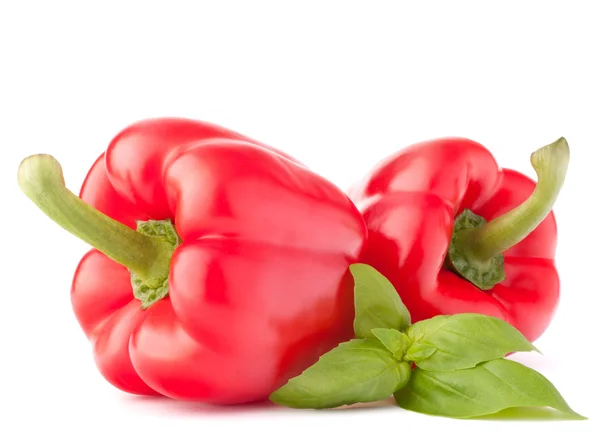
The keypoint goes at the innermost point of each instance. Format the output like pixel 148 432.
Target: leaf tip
pixel 275 397
pixel 356 267
pixel 377 331
pixel 279 396
pixel 572 415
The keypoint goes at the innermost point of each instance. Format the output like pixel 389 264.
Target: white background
pixel 337 84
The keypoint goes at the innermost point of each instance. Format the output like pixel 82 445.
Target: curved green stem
pixel 495 237
pixel 40 178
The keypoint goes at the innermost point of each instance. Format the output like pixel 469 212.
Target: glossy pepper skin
pixel 410 201
pixel 259 286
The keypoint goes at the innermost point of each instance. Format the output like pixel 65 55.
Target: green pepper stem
pixel 40 178
pixel 495 237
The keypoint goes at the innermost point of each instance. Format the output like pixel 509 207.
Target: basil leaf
pixel 419 354
pixel 462 341
pixel 486 389
pixel 376 302
pixel 357 371
pixel 395 341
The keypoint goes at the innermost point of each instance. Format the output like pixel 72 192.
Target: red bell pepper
pixel 240 260
pixel 456 234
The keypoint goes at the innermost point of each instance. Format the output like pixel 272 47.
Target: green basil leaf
pixel 419 354
pixel 396 342
pixel 376 302
pixel 357 371
pixel 462 341
pixel 486 389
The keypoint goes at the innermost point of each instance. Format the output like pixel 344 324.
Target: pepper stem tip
pixel 551 161
pixel 38 170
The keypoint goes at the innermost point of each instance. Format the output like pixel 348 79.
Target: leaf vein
pixel 450 388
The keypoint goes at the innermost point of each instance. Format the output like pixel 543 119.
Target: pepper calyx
pixel 482 273
pixel 151 290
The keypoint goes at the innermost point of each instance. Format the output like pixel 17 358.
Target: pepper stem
pixel 495 237
pixel 147 257
pixel 477 247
